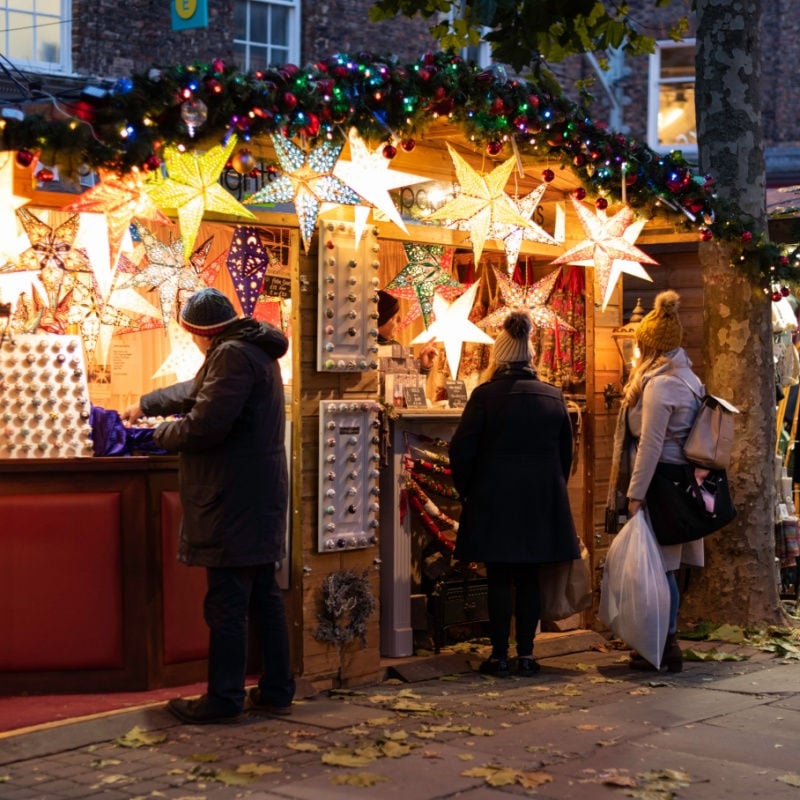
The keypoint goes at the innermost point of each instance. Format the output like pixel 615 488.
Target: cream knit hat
pixel 513 344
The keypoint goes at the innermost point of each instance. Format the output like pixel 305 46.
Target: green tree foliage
pixel 526 34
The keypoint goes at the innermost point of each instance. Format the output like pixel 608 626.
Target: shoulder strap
pixel 691 389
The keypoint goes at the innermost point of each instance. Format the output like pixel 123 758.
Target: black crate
pixel 460 601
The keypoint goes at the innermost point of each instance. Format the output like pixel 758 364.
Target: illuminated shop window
pixel 267 33
pixel 36 34
pixel 671 119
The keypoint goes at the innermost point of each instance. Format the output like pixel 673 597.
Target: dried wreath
pixel 347 604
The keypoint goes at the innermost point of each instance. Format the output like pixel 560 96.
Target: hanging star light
pixel 192 187
pixel 607 277
pixel 605 242
pixel 167 271
pixel 481 202
pixel 184 358
pixel 52 253
pixel 120 198
pixel 533 298
pixel 247 263
pixel 421 278
pixel 307 181
pixel 512 236
pixel 453 327
pixel 368 174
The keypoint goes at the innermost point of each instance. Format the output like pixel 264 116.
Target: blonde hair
pixel 650 359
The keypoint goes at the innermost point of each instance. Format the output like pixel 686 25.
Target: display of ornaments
pixel 348 299
pixel 44 397
pixel 349 457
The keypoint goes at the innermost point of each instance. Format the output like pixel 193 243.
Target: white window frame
pixel 654 83
pixel 293 55
pixel 64 64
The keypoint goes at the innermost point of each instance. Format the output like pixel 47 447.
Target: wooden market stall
pixel 148 629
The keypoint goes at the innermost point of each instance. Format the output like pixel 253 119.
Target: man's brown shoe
pixel 258 704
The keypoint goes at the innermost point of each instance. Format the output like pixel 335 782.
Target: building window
pixel 267 33
pixel 671 123
pixel 36 34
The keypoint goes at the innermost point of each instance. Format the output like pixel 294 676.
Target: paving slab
pixel 766 719
pixel 771 680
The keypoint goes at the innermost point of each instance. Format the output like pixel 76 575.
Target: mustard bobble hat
pixel 661 328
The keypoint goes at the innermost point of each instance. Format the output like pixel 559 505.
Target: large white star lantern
pixel 453 327
pixel 368 174
pixel 608 247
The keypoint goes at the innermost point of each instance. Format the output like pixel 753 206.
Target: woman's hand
pixel 633 507
pixel 428 355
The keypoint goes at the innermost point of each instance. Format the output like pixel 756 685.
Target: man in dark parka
pixel 511 457
pixel 234 491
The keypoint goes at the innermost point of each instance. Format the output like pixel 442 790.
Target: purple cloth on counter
pixel 111 438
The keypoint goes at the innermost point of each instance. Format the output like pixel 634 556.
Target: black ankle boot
pixel 673 657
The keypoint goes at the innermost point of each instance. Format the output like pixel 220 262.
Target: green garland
pixel 389 101
pixel 347 604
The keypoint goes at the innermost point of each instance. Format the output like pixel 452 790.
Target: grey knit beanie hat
pixel 207 313
pixel 513 343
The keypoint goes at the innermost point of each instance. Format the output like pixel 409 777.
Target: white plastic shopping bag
pixel 634 593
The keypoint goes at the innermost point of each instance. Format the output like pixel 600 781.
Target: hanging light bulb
pixel 194 112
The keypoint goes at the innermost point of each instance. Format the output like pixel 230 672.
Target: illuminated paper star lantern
pixel 120 198
pixel 167 271
pixel 307 181
pixel 184 358
pixel 533 298
pixel 607 277
pixel 368 174
pixel 512 236
pixel 52 252
pixel 453 327
pixel 247 263
pixel 12 242
pixel 421 278
pixel 192 188
pixel 605 242
pixel 481 203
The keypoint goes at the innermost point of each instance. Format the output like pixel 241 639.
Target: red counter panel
pixel 60 582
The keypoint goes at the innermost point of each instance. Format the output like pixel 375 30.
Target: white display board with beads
pixel 349 460
pixel 44 397
pixel 347 335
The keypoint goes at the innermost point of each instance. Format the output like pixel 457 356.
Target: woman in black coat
pixel 511 456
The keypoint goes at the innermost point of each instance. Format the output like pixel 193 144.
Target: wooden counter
pixel 92 598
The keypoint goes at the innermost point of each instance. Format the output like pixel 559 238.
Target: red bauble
pixel 601 203
pixel 152 163
pixel 408 145
pixel 746 236
pixel 424 75
pixel 785 291
pixel 579 159
pixel 548 175
pixel 214 86
pixel 218 65
pixel 289 101
pixel 498 107
pixel 706 235
pixel 776 296
pixel 45 175
pixel 389 151
pixel 494 148
pixel 580 193
pixel 24 158
pixel 330 244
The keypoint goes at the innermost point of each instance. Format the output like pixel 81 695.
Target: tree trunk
pixel 740 582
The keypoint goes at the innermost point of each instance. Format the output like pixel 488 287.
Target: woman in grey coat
pixel 511 457
pixel 234 492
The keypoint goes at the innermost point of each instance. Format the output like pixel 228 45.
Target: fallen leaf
pixel 105 762
pixel 346 758
pixel 303 747
pixel 395 749
pixel 480 732
pixel 136 737
pixel 712 655
pixel 207 758
pixel 549 706
pixel 791 778
pixel 364 779
pixel 258 769
pixel 465 757
pixel 530 780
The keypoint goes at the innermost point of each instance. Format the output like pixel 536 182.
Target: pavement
pixel 586 727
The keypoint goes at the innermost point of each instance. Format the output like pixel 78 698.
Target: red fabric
pixel 185 631
pixel 62 552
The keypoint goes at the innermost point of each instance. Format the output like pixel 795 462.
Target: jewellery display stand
pixel 44 397
pixel 348 475
pixel 348 302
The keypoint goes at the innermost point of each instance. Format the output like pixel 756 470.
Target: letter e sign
pixel 189 14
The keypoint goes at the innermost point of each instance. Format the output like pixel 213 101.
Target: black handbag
pixel 677 506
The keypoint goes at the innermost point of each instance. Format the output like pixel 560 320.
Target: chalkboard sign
pixel 456 394
pixel 277 286
pixel 415 397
